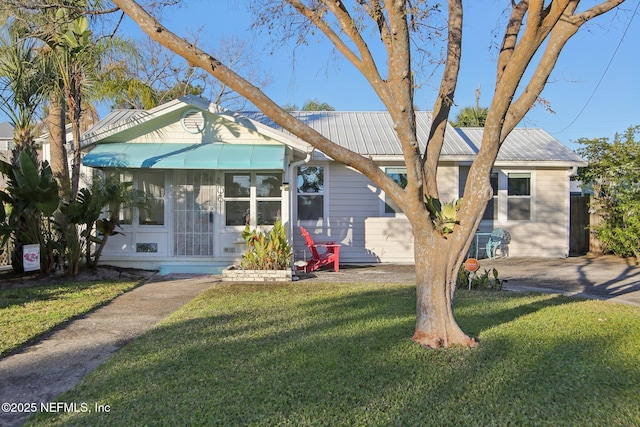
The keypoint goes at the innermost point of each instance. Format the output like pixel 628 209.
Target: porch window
pixel 519 196
pixel 148 185
pixel 152 184
pixel 268 198
pixel 310 188
pixel 237 194
pixel 125 212
pixel 399 175
pixel 252 195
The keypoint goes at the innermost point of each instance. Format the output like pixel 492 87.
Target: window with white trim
pixel 148 193
pixel 310 192
pixel 125 210
pixel 519 196
pixel 252 198
pixel 268 197
pixel 152 185
pixel 237 198
pixel 399 175
pixel 513 195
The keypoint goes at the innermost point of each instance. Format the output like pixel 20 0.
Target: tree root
pixel 436 341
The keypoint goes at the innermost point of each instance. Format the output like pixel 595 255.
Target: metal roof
pixel 370 133
pixel 526 145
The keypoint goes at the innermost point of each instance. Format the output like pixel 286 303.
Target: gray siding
pixel 351 199
pixel 355 218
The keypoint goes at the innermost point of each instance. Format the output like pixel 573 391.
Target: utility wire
pixel 586 104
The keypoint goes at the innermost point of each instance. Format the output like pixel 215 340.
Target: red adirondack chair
pixel 330 253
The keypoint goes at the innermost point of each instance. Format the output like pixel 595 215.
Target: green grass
pixel 330 354
pixel 28 313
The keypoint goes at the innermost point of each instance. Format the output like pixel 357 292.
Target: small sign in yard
pixel 31 257
pixel 471 265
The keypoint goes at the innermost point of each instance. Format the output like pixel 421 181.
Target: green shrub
pixel 266 251
pixel 613 177
pixel 486 280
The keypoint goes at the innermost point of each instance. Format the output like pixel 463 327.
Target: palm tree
pixel 471 117
pixel 21 90
pixel 22 72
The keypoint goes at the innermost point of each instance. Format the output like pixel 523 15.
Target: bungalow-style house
pixel 208 172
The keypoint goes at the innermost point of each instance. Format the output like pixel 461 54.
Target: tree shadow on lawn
pixel 315 358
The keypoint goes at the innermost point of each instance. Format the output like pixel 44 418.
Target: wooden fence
pixel 579 220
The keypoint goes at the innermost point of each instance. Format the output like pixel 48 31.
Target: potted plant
pixel 267 258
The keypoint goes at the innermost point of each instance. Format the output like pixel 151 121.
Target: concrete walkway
pixel 55 364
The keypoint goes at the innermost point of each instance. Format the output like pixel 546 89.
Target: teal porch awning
pixel 186 156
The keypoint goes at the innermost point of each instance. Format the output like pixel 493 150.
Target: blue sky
pixel 594 90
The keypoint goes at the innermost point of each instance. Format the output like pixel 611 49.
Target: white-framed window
pixel 399 175
pixel 310 188
pixel 253 198
pixel 268 197
pixel 125 212
pixel 513 195
pixel 147 192
pixel 237 198
pixel 518 196
pixel 152 185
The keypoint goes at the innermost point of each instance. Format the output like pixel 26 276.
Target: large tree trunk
pixel 75 111
pixel 58 151
pixel 436 274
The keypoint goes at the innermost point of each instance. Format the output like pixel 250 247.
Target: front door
pixel 194 213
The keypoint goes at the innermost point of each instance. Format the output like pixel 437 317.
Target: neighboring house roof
pixel 45 137
pixel 6 130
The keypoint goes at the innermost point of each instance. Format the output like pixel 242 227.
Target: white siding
pixel 547 234
pixel 447 179
pixel 390 239
pixel 169 129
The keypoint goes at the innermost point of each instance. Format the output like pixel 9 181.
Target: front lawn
pixel 29 312
pixel 340 354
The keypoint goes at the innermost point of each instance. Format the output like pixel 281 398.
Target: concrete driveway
pixel 602 277
pixel 599 277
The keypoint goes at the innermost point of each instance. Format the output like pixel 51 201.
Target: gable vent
pixel 193 121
